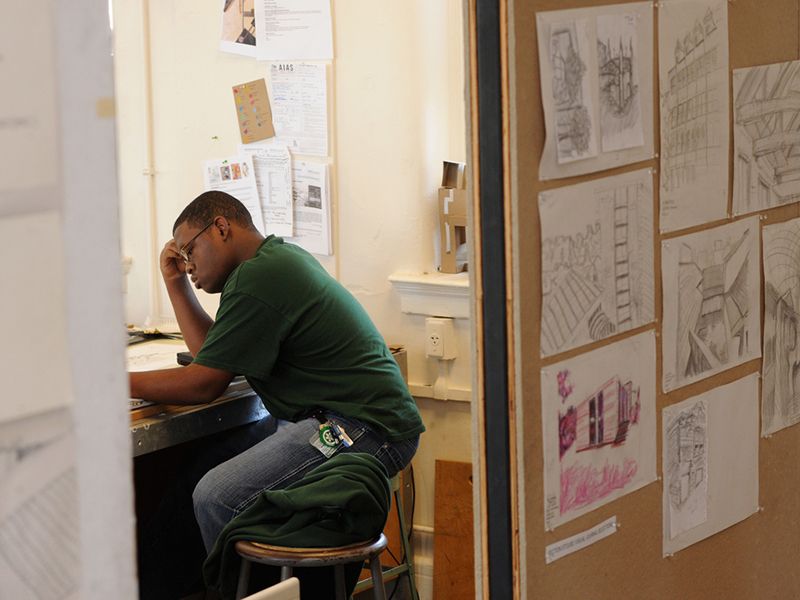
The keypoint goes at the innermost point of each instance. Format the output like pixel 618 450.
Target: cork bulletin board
pixel 755 558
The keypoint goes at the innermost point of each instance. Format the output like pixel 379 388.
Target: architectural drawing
pixel 686 467
pixel 597 86
pixel 780 370
pixel 571 97
pixel 711 301
pixel 766 170
pixel 710 462
pixel 693 58
pixel 599 425
pixel 597 260
pixel 617 58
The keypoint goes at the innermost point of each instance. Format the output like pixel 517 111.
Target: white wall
pixel 397 111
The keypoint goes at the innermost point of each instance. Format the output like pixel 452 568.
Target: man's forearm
pixel 192 319
pixel 193 384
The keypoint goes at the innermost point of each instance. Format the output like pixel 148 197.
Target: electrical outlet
pixel 440 337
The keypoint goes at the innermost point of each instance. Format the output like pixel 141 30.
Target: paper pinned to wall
pixel 312 211
pixel 730 455
pixel 597 87
pixel 597 260
pixel 272 165
pixel 693 68
pixel 235 176
pixel 294 29
pixel 780 398
pixel 253 111
pixel 686 465
pixel 238 34
pixel 766 170
pixel 710 282
pixel 300 106
pixel 599 427
pixel 620 100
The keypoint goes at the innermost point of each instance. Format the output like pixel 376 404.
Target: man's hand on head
pixel 172 266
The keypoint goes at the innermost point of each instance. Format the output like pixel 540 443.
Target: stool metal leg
pixel 341 592
pixel 409 559
pixel 378 589
pixel 286 572
pixel 244 579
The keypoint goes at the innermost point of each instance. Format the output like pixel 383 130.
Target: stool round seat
pixel 310 557
pixel 287 558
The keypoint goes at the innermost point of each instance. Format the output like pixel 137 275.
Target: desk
pixel 173 427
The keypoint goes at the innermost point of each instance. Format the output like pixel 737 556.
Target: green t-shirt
pixel 303 342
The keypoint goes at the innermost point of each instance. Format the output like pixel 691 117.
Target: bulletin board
pixel 756 558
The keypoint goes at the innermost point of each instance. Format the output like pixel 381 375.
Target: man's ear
pixel 222 227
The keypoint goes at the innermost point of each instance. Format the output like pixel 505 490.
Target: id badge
pixel 325 440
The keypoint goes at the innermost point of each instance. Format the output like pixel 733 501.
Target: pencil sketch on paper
pixel 599 426
pixel 694 113
pixel 617 64
pixel 571 97
pixel 780 371
pixel 597 260
pixel 686 467
pixel 711 301
pixel 766 110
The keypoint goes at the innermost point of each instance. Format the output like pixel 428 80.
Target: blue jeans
pixel 280 459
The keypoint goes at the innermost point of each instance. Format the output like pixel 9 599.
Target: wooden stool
pixel 287 558
pixel 406 566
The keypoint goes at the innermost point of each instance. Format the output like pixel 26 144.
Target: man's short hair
pixel 211 204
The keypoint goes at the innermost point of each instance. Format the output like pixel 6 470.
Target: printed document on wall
pixel 599 427
pixel 766 171
pixel 39 518
pixel 780 394
pixel 235 176
pixel 312 211
pixel 238 34
pixel 597 87
pixel 299 94
pixel 272 166
pixel 294 29
pixel 712 308
pixel 597 260
pixel 710 463
pixel 693 69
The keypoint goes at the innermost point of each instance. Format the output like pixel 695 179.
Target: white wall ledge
pixel 433 294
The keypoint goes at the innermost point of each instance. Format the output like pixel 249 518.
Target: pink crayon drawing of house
pixel 604 418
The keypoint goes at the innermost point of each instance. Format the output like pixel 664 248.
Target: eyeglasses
pixel 186 255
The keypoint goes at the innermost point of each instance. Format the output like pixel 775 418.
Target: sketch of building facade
pixel 692 103
pixel 571 99
pixel 766 136
pixel 598 412
pixel 604 417
pixel 596 268
pixel 686 448
pixel 713 306
pixel 780 392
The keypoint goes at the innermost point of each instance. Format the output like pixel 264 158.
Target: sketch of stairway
pixel 622 264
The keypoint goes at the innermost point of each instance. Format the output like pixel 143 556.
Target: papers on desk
pixel 149 356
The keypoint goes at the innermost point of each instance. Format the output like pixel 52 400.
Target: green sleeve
pixel 245 338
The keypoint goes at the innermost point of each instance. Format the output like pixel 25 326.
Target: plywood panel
pixel 453 568
pixel 753 559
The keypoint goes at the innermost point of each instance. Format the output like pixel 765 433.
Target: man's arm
pixel 192 384
pixel 193 321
